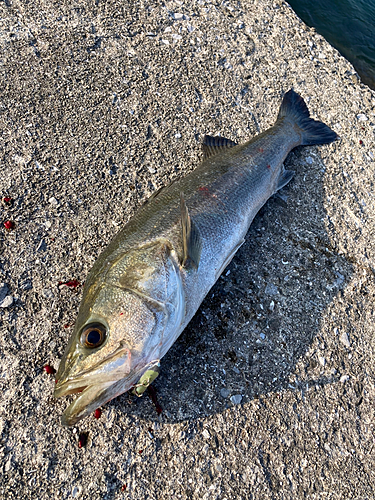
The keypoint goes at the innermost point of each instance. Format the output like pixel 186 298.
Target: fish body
pixel 149 282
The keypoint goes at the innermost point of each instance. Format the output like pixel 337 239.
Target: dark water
pixel 348 25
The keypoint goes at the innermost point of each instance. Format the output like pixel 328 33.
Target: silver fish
pixel 149 282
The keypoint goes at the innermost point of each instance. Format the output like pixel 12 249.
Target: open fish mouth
pixel 89 399
pixel 92 396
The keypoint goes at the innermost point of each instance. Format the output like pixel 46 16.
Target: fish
pixel 150 280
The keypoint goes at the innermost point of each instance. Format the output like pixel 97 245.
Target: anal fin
pixel 191 239
pixel 229 258
pixel 285 177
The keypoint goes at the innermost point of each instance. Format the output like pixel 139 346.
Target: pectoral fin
pixel 191 239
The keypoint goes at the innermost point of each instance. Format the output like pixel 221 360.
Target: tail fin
pixel 294 108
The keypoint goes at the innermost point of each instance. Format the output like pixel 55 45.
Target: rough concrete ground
pixel 269 393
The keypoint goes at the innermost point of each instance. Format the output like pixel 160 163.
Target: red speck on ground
pixel 66 326
pixel 152 393
pixel 9 224
pixel 82 440
pixel 56 381
pixel 360 142
pixel 8 200
pixel 49 369
pixel 261 150
pixel 123 487
pixel 121 314
pixel 204 190
pixel 98 413
pixel 268 166
pixel 70 284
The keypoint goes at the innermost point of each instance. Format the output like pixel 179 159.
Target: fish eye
pixel 93 335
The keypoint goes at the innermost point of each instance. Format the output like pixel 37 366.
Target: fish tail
pixel 294 108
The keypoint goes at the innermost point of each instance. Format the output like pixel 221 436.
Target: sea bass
pixel 149 282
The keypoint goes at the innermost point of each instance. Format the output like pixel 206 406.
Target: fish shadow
pixel 264 312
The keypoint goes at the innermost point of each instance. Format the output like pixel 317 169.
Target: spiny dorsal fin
pixel 191 239
pixel 214 145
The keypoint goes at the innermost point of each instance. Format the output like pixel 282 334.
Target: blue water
pixel 348 25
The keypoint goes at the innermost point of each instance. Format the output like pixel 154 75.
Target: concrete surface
pixel 269 393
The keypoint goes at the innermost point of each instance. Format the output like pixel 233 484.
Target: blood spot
pixel 268 166
pixel 9 224
pixel 49 369
pixel 82 440
pixel 152 393
pixel 8 201
pixel 70 283
pixel 204 190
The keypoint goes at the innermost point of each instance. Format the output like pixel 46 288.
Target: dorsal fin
pixel 191 239
pixel 214 145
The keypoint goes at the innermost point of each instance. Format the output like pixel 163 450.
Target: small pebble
pixel 236 399
pixel 7 301
pixel 76 491
pixel 271 289
pixel 53 201
pixel 3 291
pixel 8 464
pixel 344 378
pixel 362 117
pixel 224 393
pixel 322 360
pixel 177 16
pixel 47 293
pixel 206 434
pixel 345 339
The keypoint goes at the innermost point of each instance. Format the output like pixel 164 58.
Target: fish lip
pixel 66 385
pixel 64 389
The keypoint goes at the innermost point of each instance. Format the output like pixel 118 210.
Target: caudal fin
pixel 294 108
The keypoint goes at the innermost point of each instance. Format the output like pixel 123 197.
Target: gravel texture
pixel 269 392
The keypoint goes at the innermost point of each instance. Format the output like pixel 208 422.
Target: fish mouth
pixel 92 396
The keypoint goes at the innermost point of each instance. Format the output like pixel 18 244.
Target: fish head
pixel 119 333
